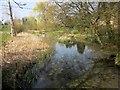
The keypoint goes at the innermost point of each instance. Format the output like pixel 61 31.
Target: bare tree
pixel 13 32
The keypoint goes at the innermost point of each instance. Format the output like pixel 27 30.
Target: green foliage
pixel 5 34
pixel 74 31
pixel 32 23
pixel 5 37
pixel 5 28
pixel 45 16
pixel 69 40
pixel 18 26
pixel 29 76
pixel 28 23
pixel 117 59
pixel 90 38
pixel 1 27
pixel 70 18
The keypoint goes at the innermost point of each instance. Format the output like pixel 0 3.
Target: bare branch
pixel 60 7
pixel 19 4
pixel 22 4
pixel 91 6
pixel 77 5
pixel 57 3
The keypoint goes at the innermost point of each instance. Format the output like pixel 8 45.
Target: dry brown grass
pixel 24 47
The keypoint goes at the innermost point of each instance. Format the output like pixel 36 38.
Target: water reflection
pixel 70 44
pixel 79 50
pixel 80 47
pixel 71 63
pixel 62 50
pixel 66 65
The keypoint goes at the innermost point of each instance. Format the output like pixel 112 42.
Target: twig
pixel 19 4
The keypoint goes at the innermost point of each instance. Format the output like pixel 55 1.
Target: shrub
pixel 117 59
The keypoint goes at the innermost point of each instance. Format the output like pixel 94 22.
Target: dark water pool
pixel 73 66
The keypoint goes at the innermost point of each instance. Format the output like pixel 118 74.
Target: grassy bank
pixel 4 34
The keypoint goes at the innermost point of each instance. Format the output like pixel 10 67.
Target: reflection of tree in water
pixel 80 47
pixel 70 43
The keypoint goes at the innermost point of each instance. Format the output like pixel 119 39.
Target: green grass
pixel 65 32
pixel 5 37
pixel 4 34
pixel 5 28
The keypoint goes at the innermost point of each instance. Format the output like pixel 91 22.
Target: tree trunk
pixel 97 36
pixel 95 31
pixel 13 33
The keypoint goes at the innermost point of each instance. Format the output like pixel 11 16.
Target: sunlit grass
pixel 4 37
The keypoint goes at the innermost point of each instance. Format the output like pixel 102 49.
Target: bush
pixel 75 31
pixel 90 38
pixel 5 28
pixel 4 37
pixel 117 59
pixel 19 27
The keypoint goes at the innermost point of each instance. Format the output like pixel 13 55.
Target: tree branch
pixel 19 4
pixel 91 6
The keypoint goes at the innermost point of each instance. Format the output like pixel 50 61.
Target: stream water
pixel 73 66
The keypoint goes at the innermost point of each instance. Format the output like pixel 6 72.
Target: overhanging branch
pixel 19 4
